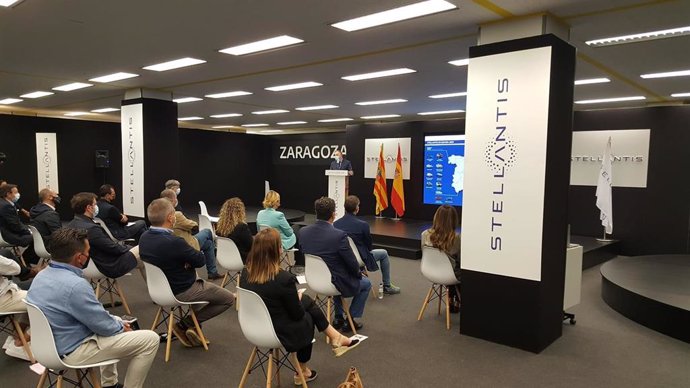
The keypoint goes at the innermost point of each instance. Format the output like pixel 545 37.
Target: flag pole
pixel 396 218
pixel 604 239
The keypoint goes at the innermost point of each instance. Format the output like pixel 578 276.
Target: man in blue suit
pixel 360 234
pixel 340 163
pixel 331 245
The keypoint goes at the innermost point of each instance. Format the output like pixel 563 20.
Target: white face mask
pixel 337 158
pixel 16 198
pixel 178 191
pixel 95 211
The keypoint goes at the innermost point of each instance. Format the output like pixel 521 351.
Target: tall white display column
pixel 337 189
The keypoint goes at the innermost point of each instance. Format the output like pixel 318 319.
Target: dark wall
pixel 652 220
pixel 77 142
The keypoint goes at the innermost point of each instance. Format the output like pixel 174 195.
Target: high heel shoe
pixel 339 349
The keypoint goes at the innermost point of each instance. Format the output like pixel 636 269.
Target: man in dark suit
pixel 11 227
pixel 331 245
pixel 44 216
pixel 178 261
pixel 114 219
pixel 360 234
pixel 111 258
pixel 340 163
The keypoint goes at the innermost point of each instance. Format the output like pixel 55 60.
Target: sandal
pixel 339 349
pixel 309 378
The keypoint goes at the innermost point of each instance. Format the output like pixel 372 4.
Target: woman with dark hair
pixel 293 314
pixel 443 236
pixel 232 224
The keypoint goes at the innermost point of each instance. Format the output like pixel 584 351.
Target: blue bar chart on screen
pixel 444 169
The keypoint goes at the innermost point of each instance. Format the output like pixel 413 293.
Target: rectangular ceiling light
pixel 228 94
pixel 72 86
pixel 224 126
pixel 8 101
pixel 441 112
pixel 460 62
pixel 379 102
pixel 37 94
pixel 379 117
pixel 186 99
pixel 687 94
pixel 335 120
pixel 652 35
pixel 255 125
pixel 591 81
pixel 224 115
pixel 272 131
pixel 395 15
pixel 74 114
pixel 270 112
pixel 448 95
pixel 175 64
pixel 8 3
pixel 679 73
pixel 262 45
pixel 292 122
pixel 105 110
pixel 191 118
pixel 615 99
pixel 300 85
pixel 379 74
pixel 317 107
pixel 113 77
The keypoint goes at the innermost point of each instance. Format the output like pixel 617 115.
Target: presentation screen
pixel 444 169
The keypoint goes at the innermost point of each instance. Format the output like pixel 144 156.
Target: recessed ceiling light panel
pixel 191 118
pixel 72 86
pixel 395 15
pixel 449 95
pixel 105 110
pixel 255 125
pixel 651 35
pixel 379 117
pixel 441 112
pixel 292 122
pixel 591 81
pixel 679 73
pixel 335 120
pixel 379 74
pixel 614 99
pixel 270 112
pixel 37 94
pixel 113 77
pixel 460 62
pixel 235 93
pixel 379 102
pixel 8 101
pixel 183 100
pixel 175 64
pixel 74 114
pixel 687 94
pixel 317 107
pixel 262 45
pixel 300 85
pixel 224 115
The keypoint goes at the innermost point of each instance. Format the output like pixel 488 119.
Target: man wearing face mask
pixel 44 216
pixel 174 185
pixel 12 229
pixel 340 163
pixel 115 219
pixel 111 258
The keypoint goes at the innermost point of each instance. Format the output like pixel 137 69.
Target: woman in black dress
pixel 232 224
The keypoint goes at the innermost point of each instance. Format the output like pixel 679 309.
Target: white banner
pixel 505 163
pixel 630 150
pixel 390 154
pixel 47 161
pixel 133 160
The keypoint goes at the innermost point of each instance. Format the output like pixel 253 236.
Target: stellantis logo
pixel 600 158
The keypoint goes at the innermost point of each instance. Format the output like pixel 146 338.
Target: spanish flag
pixel 380 190
pixel 398 194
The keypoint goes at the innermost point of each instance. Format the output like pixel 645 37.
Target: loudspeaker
pixel 102 159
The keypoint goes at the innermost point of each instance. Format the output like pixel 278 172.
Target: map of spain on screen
pixel 444 169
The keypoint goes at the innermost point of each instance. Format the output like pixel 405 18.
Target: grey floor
pixel 603 349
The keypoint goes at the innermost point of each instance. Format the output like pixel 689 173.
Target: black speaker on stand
pixel 103 163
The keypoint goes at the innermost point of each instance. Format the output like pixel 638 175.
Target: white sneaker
pixel 8 341
pixel 17 352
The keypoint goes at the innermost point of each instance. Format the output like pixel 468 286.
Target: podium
pixel 337 189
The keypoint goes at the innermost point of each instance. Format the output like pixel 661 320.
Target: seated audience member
pixel 293 313
pixel 202 241
pixel 273 218
pixel 360 233
pixel 44 216
pixel 11 227
pixel 160 247
pixel 12 299
pixel 113 259
pixel 174 185
pixel 233 225
pixel 84 332
pixel 330 244
pixel 114 219
pixel 443 236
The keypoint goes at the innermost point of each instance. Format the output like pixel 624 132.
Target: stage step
pixel 401 251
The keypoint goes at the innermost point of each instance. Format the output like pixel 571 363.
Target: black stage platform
pixel 595 252
pixel 651 290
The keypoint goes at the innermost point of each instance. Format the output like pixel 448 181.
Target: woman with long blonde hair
pixel 293 313
pixel 443 236
pixel 232 223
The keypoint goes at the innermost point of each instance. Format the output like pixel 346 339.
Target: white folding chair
pixel 319 279
pixel 229 258
pixel 109 286
pixel 162 295
pixel 39 245
pixel 109 233
pixel 203 208
pixel 205 223
pixel 11 327
pixel 257 327
pixel 438 270
pixel 353 246
pixel 43 345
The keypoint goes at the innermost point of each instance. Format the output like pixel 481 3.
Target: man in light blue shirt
pixel 83 330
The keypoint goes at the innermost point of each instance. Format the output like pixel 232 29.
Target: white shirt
pixel 8 267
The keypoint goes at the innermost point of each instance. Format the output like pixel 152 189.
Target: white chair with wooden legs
pixel 202 208
pixel 319 280
pixel 43 345
pixel 284 254
pixel 105 284
pixel 438 270
pixel 11 327
pixel 257 327
pixel 229 258
pixel 39 245
pixel 353 246
pixel 100 222
pixel 162 295
pixel 205 223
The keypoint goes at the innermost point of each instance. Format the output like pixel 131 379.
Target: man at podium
pixel 340 163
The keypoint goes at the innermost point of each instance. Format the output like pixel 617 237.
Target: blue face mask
pixel 16 198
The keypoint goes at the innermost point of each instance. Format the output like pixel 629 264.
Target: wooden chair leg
pixel 447 309
pixel 269 373
pixel 171 321
pixel 247 368
pixel 122 296
pixel 98 289
pixel 328 315
pixel 59 381
pixel 440 298
pixel 237 294
pixel 156 318
pixel 198 328
pixel 95 379
pixel 425 303
pixel 22 338
pixel 225 279
pixel 276 357
pixel 299 370
pixel 346 310
pixel 42 379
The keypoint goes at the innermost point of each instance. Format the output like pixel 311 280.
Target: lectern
pixel 337 189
